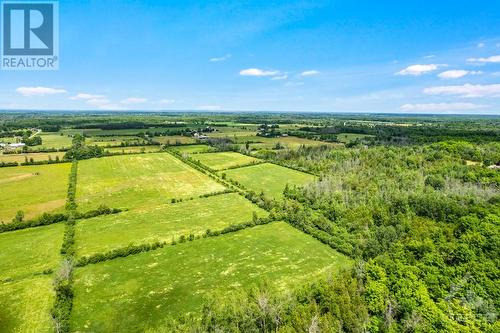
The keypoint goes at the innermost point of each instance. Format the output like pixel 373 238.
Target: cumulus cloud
pixel 310 73
pixel 258 72
pixel 492 59
pixel 39 91
pixel 441 107
pixel 219 59
pixel 281 77
pixel 417 70
pixel 457 73
pixel 83 96
pixel 134 100
pixel 466 90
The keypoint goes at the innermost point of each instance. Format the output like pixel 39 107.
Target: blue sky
pixel 331 56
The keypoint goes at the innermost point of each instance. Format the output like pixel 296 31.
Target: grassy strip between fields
pixel 63 279
pixel 136 249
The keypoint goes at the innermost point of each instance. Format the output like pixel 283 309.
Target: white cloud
pixel 166 101
pixel 492 59
pixel 39 91
pixel 219 59
pixel 466 90
pixel 134 100
pixel 457 73
pixel 83 96
pixel 417 70
pixel 310 73
pixel 209 107
pixel 430 56
pixel 441 107
pixel 281 77
pixel 481 45
pixel 258 72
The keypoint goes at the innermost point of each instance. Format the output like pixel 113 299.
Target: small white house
pixel 16 145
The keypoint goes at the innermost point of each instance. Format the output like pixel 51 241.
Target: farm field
pixel 54 140
pixel 194 149
pixel 132 181
pixel 29 251
pixel 21 158
pixel 162 223
pixel 349 137
pixel 290 142
pixel 137 293
pixel 221 161
pixel 174 139
pixel 133 149
pixel 269 178
pixel 25 305
pixel 34 189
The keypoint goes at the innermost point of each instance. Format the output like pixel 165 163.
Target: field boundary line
pixel 126 251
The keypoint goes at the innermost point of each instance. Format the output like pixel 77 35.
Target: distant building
pixel 16 145
pixel 494 166
pixel 200 136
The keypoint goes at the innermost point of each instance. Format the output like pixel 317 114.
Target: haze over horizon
pixel 323 56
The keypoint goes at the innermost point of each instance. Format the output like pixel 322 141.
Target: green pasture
pixel 136 293
pixel 134 149
pixel 28 251
pixel 21 158
pixel 194 149
pixel 162 223
pixel 174 139
pixel 25 305
pixel 221 161
pixel 54 140
pixel 269 178
pixel 34 189
pixel 132 181
pixel 349 137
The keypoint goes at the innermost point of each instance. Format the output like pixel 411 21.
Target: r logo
pixel 29 34
pixel 28 29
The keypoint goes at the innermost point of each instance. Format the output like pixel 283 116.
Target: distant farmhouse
pixel 11 145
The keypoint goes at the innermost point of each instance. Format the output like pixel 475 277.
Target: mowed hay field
pixel 29 251
pixel 194 149
pixel 136 293
pixel 221 161
pixel 133 149
pixel 290 142
pixel 25 305
pixel 269 178
pixel 162 223
pixel 21 158
pixel 34 189
pixel 174 139
pixel 54 140
pixel 132 181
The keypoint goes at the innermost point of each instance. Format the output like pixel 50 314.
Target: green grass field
pixel 349 137
pixel 174 139
pixel 29 251
pixel 290 142
pixel 134 149
pixel 194 149
pixel 33 189
pixel 221 161
pixel 54 140
pixel 161 223
pixel 21 158
pixel 269 178
pixel 25 305
pixel 131 181
pixel 135 293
